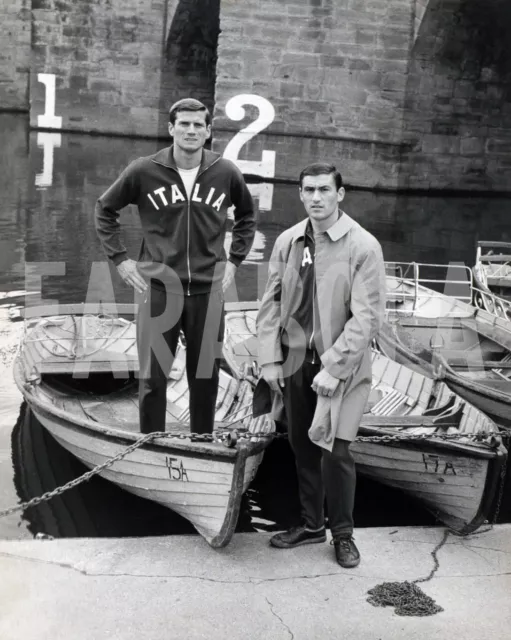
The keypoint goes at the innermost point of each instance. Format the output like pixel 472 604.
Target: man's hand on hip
pixel 274 376
pixel 128 271
pixel 325 384
pixel 230 272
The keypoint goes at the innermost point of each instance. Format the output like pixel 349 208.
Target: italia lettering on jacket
pixel 161 197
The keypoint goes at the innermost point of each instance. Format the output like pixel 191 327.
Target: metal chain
pixel 216 436
pixel 225 434
pixel 435 559
pixel 494 438
pixel 477 437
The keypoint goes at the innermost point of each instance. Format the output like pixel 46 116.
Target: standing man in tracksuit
pixel 182 193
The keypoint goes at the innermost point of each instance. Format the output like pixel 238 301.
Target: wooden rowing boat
pixel 455 479
pixel 492 268
pixel 78 376
pixel 442 336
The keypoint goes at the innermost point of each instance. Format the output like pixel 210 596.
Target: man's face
pixel 320 196
pixel 190 130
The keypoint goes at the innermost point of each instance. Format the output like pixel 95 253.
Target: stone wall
pixel 335 72
pixel 15 54
pixel 189 54
pixel 399 94
pixel 106 57
pixel 119 63
pixel 458 98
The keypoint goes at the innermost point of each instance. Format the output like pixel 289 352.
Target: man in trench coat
pixel 324 303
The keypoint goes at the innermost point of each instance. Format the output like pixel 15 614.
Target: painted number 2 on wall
pixel 265 167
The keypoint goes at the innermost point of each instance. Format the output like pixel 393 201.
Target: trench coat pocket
pixel 327 418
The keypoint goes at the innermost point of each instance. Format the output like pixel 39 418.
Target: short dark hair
pixel 320 168
pixel 188 104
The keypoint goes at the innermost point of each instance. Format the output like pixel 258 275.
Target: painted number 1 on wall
pixel 48 140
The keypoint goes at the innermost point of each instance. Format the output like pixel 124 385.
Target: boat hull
pixel 456 488
pixel 202 487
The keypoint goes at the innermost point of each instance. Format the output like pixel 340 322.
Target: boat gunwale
pixel 451 446
pixel 205 449
pixel 450 375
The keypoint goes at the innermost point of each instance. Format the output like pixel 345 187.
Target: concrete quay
pixel 179 587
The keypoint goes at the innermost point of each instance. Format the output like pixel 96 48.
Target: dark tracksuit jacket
pixel 306 314
pixel 184 234
pixel 187 235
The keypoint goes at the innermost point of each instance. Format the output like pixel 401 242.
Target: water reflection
pixel 55 223
pixel 95 508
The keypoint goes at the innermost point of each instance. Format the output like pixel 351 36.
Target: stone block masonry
pixel 15 54
pixel 106 58
pixel 458 98
pixel 335 72
pixel 118 64
pixel 400 94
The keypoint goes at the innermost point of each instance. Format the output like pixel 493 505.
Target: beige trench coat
pixel 350 284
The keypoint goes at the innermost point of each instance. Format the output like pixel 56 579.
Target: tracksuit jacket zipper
pixel 188 199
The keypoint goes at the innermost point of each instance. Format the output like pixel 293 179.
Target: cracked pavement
pixel 135 588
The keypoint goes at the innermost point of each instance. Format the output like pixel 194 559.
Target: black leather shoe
pixel 296 536
pixel 346 552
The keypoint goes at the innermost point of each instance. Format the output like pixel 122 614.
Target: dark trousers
pixel 161 316
pixel 319 471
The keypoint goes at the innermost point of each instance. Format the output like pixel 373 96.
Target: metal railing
pixel 419 287
pixel 497 306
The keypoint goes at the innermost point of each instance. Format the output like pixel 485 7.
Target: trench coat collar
pixel 335 232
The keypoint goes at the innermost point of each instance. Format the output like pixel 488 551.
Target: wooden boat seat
pixel 78 309
pixel 456 321
pixel 390 403
pixel 118 364
pixel 444 408
pixel 409 423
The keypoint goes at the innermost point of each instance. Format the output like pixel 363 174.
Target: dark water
pixel 46 216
